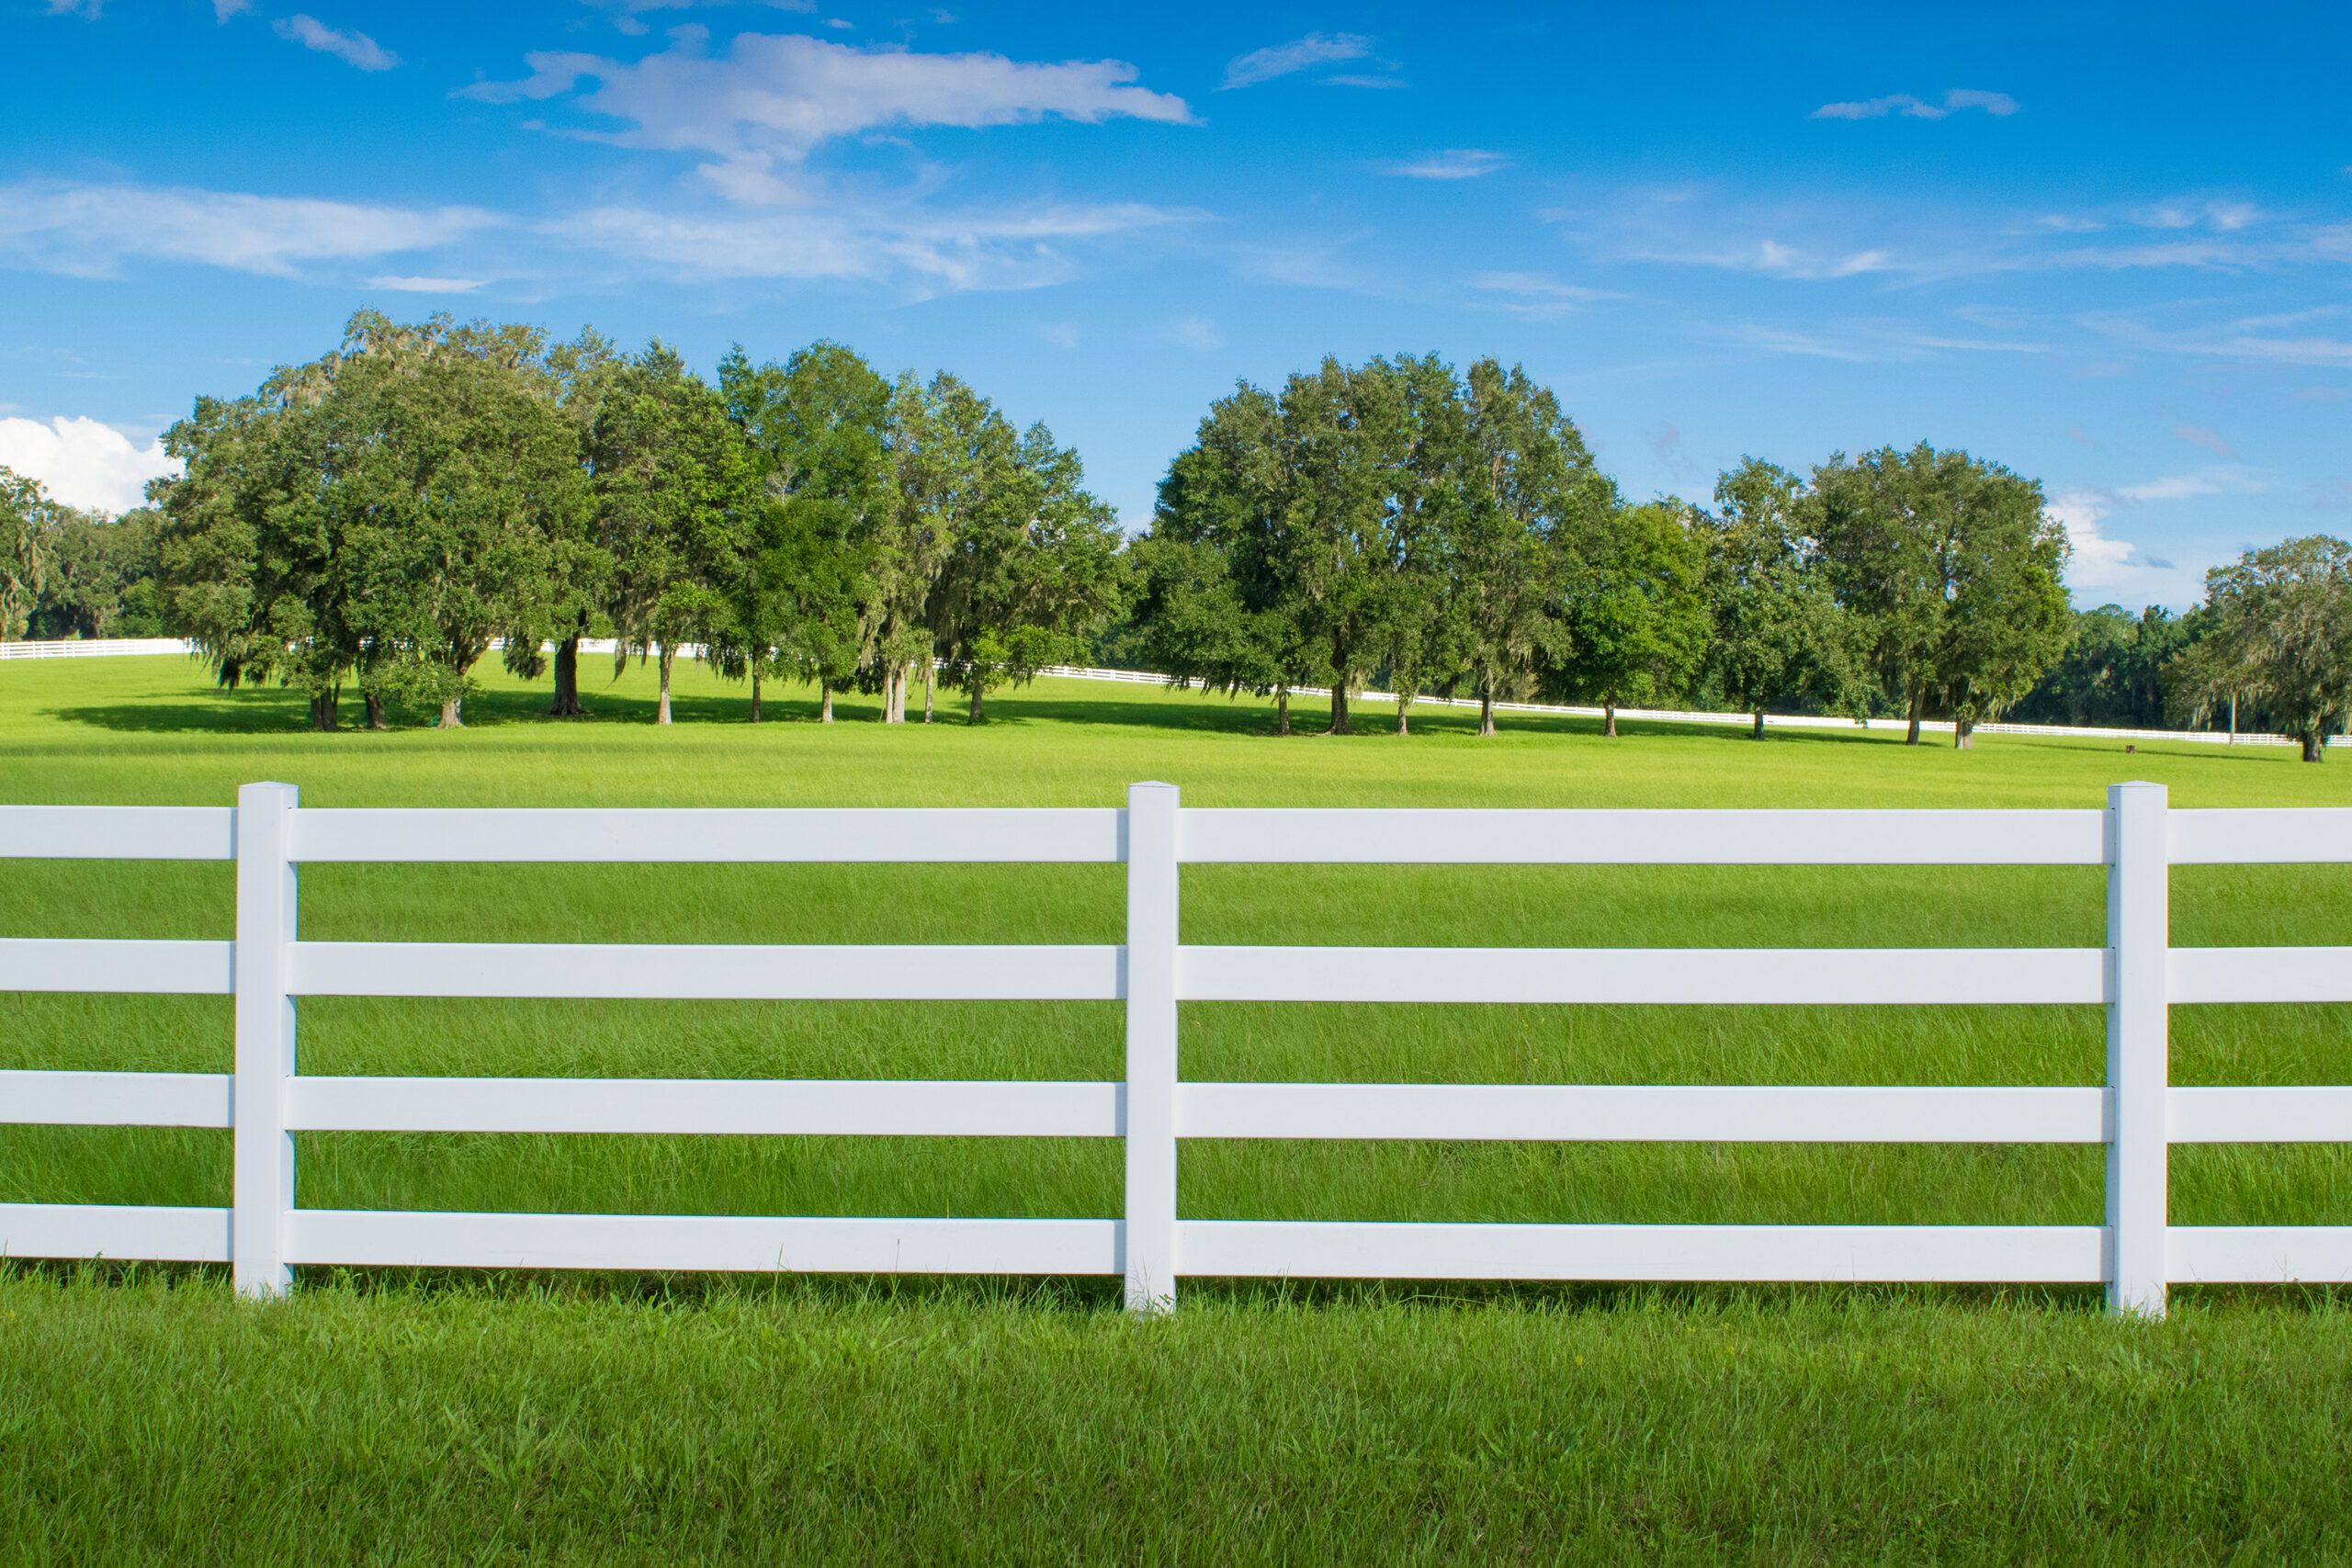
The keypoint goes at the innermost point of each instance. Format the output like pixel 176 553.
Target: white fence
pixel 2137 976
pixel 94 647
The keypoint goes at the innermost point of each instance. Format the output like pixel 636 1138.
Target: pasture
pixel 1266 1422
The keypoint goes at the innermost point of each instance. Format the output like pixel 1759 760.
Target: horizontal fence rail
pixel 264 1103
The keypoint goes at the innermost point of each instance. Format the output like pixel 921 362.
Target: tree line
pixel 382 518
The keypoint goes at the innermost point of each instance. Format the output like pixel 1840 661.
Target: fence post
pixel 2138 935
pixel 263 1165
pixel 1148 1239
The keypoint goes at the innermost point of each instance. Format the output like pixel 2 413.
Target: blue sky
pixel 2111 246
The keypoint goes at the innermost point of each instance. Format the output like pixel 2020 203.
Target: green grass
pixel 454 1418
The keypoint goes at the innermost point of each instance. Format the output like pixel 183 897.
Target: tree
pixel 102 576
pixel 2111 670
pixel 2281 634
pixel 258 569
pixel 1777 636
pixel 1636 618
pixel 1529 484
pixel 1952 566
pixel 453 452
pixel 1214 603
pixel 816 428
pixel 26 524
pixel 917 535
pixel 1036 558
pixel 673 487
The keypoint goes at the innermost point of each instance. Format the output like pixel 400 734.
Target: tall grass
pixel 389 1415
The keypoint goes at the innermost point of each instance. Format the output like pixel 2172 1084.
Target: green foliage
pixel 1637 622
pixel 801 595
pixel 384 513
pixel 1952 566
pixel 28 521
pixel 102 577
pixel 1780 637
pixel 2280 633
pixel 1388 519
pixel 2111 673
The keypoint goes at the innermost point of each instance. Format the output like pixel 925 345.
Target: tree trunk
pixel 1759 724
pixel 972 717
pixel 894 689
pixel 1340 709
pixel 662 660
pixel 1486 713
pixel 375 711
pixel 1404 725
pixel 453 715
pixel 567 679
pixel 1609 718
pixel 1963 735
pixel 1282 710
pixel 323 704
pixel 755 694
pixel 930 678
pixel 1918 702
pixel 824 702
pixel 2314 747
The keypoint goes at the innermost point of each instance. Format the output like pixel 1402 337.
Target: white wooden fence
pixel 2137 976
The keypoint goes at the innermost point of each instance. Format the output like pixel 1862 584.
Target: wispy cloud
pixel 1537 296
pixel 1454 164
pixel 628 14
pixel 87 230
pixel 397 283
pixel 928 252
pixel 774 99
pixel 352 47
pixel 1288 59
pixel 224 9
pixel 1197 332
pixel 1904 104
pixel 2208 438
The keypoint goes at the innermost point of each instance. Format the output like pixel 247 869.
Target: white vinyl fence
pixel 2136 976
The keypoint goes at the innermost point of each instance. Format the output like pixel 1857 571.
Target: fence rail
pixel 264 1103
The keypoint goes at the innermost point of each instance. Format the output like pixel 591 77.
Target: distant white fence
pixel 94 647
pixel 267 968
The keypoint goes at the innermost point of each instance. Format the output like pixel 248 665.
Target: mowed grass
pixel 454 1417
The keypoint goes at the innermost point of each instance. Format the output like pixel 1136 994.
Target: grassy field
pixel 461 1417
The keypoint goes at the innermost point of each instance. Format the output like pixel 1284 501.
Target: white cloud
pixel 1454 164
pixel 1299 54
pixel 1912 107
pixel 779 97
pixel 86 9
pixel 83 462
pixel 2098 561
pixel 87 230
pixel 1354 79
pixel 352 47
pixel 224 9
pixel 396 283
pixel 1194 331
